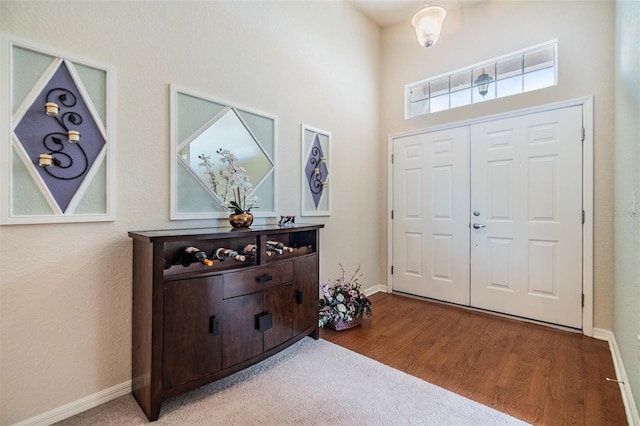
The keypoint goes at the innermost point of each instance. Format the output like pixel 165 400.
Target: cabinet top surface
pixel 167 234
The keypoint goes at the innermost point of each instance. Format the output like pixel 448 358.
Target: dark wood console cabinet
pixel 196 324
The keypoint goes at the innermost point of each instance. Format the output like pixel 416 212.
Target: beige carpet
pixel 310 383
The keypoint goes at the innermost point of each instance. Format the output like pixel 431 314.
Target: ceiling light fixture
pixel 428 24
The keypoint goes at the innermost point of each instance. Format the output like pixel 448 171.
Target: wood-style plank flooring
pixel 535 373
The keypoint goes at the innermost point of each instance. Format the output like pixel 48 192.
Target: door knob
pixel 478 226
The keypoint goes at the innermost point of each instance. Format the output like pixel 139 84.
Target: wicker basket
pixel 341 325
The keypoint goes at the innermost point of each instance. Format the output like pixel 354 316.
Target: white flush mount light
pixel 428 24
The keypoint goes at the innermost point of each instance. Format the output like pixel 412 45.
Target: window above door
pixel 511 74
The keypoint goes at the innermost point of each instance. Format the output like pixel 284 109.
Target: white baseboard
pixel 75 407
pixel 627 397
pixel 375 289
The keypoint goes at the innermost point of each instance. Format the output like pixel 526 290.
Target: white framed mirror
pixel 204 131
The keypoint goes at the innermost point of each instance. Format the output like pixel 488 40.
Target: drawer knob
pixel 264 278
pixel 265 322
pixel 213 325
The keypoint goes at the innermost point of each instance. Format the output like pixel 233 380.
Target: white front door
pixel 490 215
pixel 431 215
pixel 526 199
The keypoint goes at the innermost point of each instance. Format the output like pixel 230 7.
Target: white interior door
pixel 526 190
pixel 431 215
pixel 490 215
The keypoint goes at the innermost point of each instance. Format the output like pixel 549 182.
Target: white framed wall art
pixel 58 157
pixel 316 192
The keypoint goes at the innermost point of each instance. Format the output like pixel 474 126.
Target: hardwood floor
pixel 538 374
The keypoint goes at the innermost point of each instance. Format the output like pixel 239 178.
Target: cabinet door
pixel 192 333
pixel 305 308
pixel 241 338
pixel 278 301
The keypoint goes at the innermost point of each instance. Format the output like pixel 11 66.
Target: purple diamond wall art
pixel 316 171
pixel 315 191
pixel 50 132
pixel 61 138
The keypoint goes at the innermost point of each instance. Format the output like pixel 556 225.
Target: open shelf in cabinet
pixel 173 251
pixel 298 243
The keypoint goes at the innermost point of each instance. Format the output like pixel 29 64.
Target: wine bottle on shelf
pixel 273 249
pixel 194 255
pixel 250 249
pixel 225 253
pixel 279 245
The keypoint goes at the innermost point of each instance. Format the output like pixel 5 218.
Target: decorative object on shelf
pixel 62 167
pixel 234 186
pixel 428 23
pixel 344 304
pixel 287 221
pixel 315 171
pixel 201 126
pixel 241 220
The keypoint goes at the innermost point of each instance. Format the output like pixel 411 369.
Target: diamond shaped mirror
pixel 225 132
pixel 203 130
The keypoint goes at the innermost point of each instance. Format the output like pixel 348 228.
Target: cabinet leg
pixel 315 333
pixel 153 413
pixel 150 405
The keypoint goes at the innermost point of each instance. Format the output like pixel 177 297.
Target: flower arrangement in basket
pixel 344 303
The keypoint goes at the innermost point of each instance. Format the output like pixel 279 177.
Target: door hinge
pixel 391 269
pixel 583 217
pixel 392 214
pixel 583 300
pixel 583 134
pixel 392 158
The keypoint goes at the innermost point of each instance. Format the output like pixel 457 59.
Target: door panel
pixel 519 181
pixel 526 175
pixel 431 215
pixel 241 338
pixel 305 278
pixel 278 301
pixel 192 341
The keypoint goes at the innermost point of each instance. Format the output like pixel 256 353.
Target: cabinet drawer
pixel 256 279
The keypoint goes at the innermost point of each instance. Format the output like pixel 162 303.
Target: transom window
pixel 518 72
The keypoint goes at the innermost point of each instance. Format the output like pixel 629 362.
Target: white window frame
pixel 472 72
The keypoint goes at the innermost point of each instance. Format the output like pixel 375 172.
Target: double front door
pixel 490 215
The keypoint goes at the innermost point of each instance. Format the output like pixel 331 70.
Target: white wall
pixel 66 289
pixel 486 30
pixel 626 225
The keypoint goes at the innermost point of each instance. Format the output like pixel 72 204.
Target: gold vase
pixel 241 220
